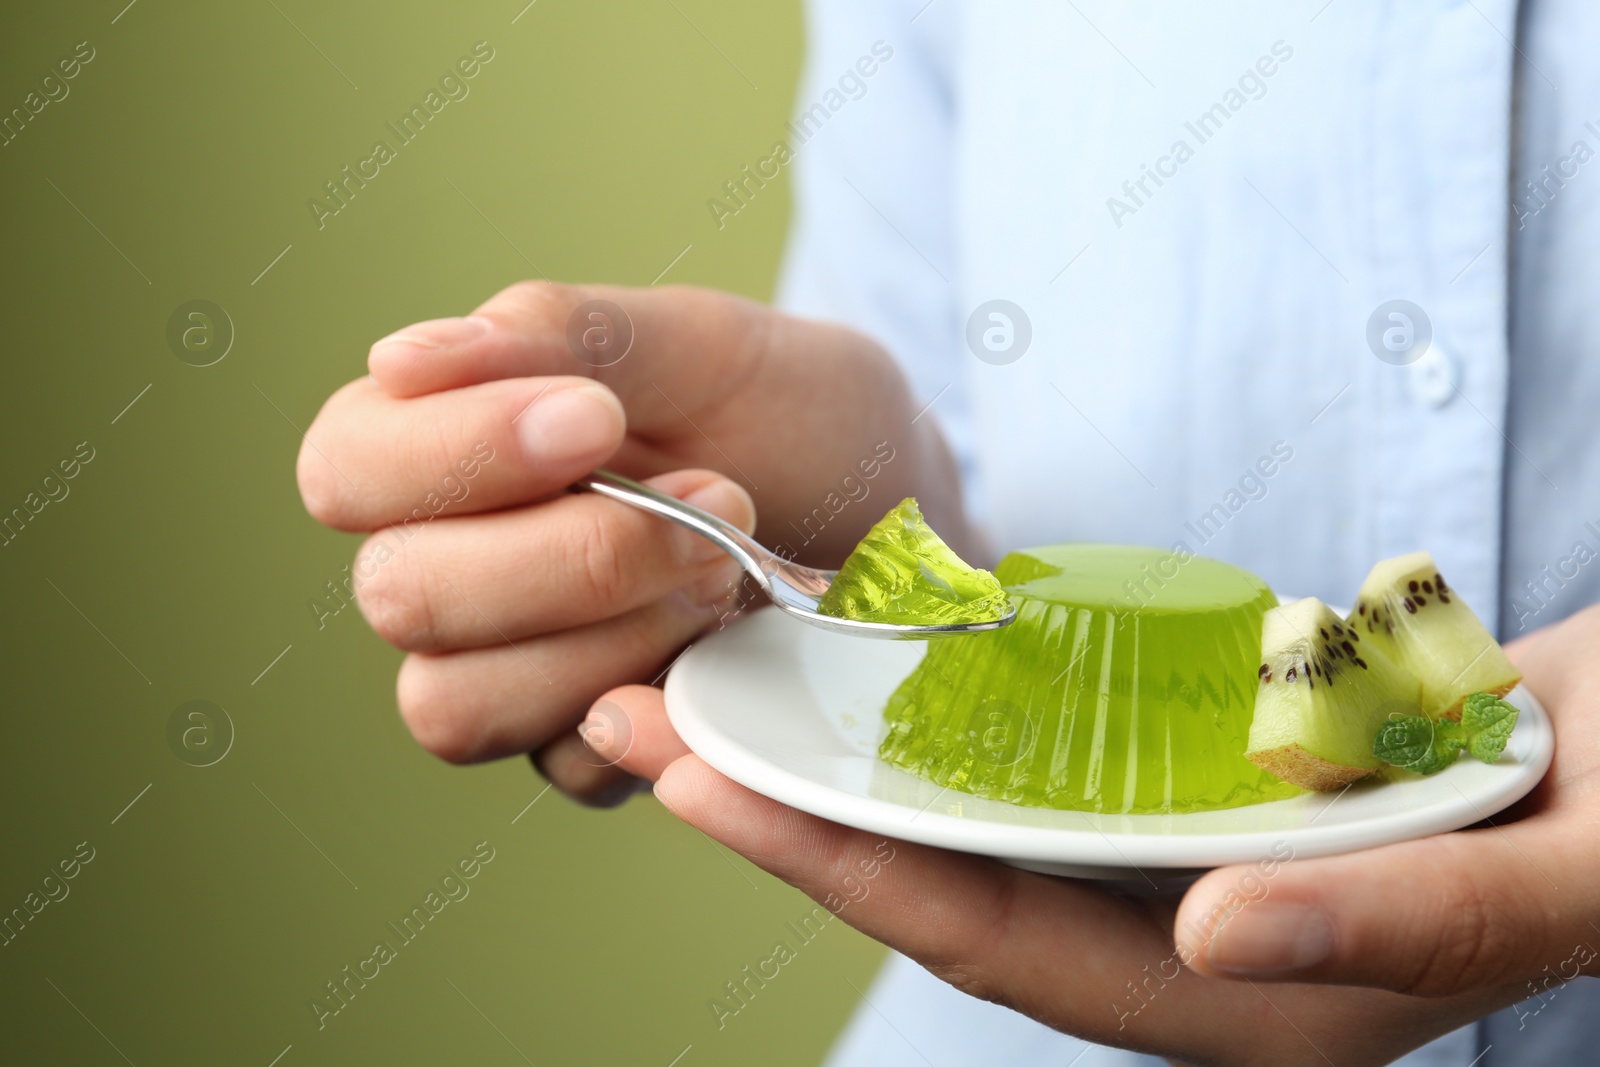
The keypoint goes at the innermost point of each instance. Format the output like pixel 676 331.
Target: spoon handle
pixel 732 540
pixel 794 588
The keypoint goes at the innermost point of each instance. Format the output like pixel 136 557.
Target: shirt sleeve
pixel 872 239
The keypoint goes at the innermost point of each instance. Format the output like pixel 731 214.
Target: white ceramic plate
pixel 794 713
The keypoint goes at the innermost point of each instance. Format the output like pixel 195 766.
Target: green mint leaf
pixel 1404 740
pixel 1440 756
pixel 1425 746
pixel 1488 722
pixel 1418 744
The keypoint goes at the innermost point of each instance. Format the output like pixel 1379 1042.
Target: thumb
pixel 1444 915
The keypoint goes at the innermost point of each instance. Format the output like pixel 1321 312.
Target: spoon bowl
pixel 795 589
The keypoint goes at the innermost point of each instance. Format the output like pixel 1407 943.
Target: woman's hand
pixel 520 603
pixel 1511 906
pixel 1350 960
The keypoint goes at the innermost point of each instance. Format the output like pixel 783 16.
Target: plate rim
pixel 1091 846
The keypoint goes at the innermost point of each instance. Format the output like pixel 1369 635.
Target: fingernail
pixel 1265 939
pixel 727 501
pixel 577 420
pixel 606 733
pixel 438 333
pixel 593 734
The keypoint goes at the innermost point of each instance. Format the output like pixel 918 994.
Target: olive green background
pixel 181 562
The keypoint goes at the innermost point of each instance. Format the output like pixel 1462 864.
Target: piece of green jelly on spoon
pixel 902 573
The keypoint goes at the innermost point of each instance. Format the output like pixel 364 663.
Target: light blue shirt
pixel 1203 212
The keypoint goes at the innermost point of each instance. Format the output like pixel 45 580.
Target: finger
pixel 1075 958
pixel 625 730
pixel 572 767
pixel 1464 911
pixel 430 356
pixel 369 460
pixel 481 580
pixel 692 345
pixel 629 727
pixel 952 927
pixel 466 707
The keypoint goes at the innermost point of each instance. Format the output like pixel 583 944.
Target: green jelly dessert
pixel 1126 684
pixel 902 573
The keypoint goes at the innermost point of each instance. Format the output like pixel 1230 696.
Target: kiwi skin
pixel 1294 764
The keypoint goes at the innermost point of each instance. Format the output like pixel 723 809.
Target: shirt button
pixel 1434 377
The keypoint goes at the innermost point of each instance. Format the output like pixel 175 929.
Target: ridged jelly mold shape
pixel 1126 685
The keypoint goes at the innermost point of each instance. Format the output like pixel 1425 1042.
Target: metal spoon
pixel 793 588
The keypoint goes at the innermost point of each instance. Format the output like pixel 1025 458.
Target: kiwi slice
pixel 1406 608
pixel 1326 689
pixel 903 573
